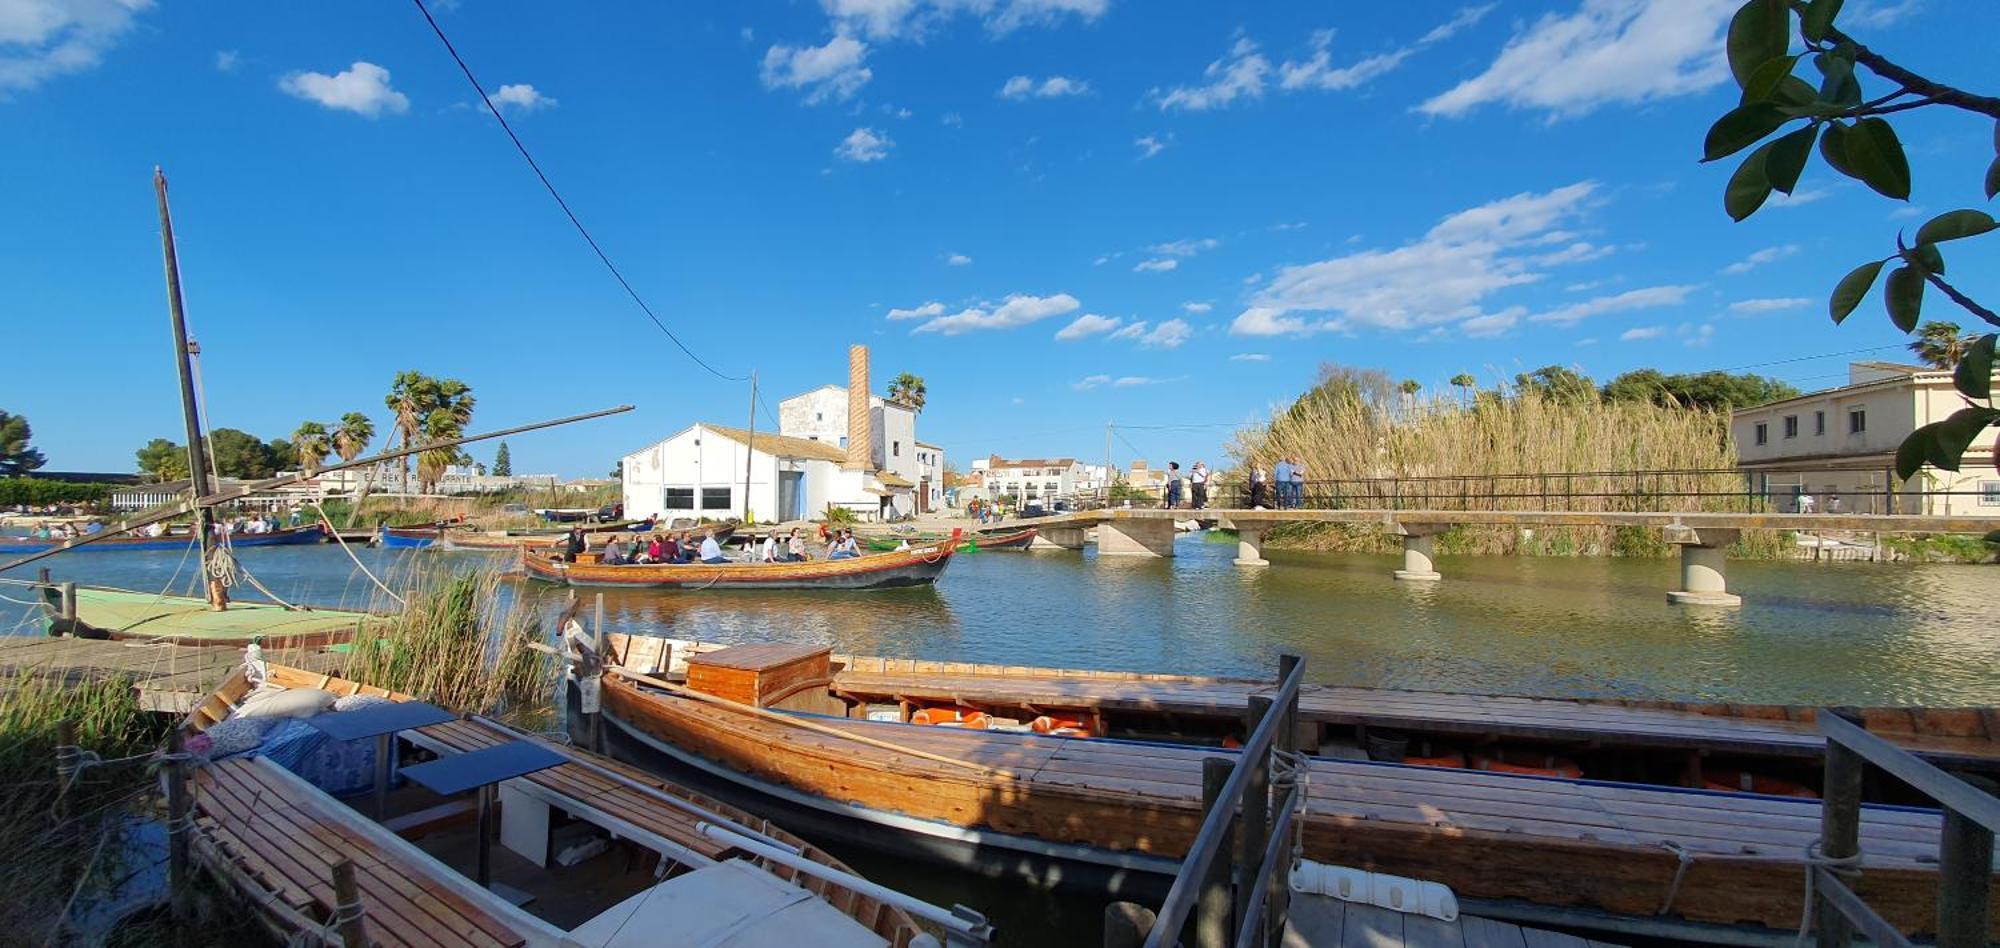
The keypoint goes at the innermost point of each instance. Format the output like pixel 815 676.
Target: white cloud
pixel 1769 305
pixel 1250 357
pixel 864 145
pixel 1584 286
pixel 1466 18
pixel 957 260
pixel 1018 309
pixel 1441 278
pixel 926 311
pixel 1797 197
pixel 1876 16
pixel 1168 335
pixel 1319 72
pixel 1131 330
pixel 1160 265
pixel 1088 324
pixel 1128 381
pixel 952 120
pixel 1185 248
pixel 832 71
pixel 1904 213
pixel 521 97
pixel 1197 308
pixel 1090 382
pixel 1054 87
pixel 1608 51
pixel 226 60
pixel 1761 257
pixel 1238 75
pixel 1650 297
pixel 1696 336
pixel 42 39
pixel 1638 333
pixel 363 89
pixel 1491 324
pixel 911 19
pixel 1149 146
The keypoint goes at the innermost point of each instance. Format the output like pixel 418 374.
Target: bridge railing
pixel 1656 491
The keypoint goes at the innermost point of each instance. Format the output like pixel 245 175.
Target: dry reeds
pixel 458 643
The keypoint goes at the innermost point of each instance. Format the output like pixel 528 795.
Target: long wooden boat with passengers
pixel 469 540
pixel 765 727
pixel 175 541
pixel 592 853
pixel 1011 540
pixel 916 567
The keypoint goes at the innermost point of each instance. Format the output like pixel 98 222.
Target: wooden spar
pixel 798 722
pixel 175 509
pixel 750 449
pixel 197 448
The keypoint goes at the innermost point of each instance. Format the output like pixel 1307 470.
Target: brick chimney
pixel 860 439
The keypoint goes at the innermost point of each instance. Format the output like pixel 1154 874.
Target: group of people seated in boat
pixel 64 531
pixel 262 523
pixel 659 549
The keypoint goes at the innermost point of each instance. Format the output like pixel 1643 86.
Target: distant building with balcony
pixel 1031 480
pixel 1838 446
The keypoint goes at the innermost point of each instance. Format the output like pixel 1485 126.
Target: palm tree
pixel 352 436
pixel 1464 381
pixel 907 390
pixel 450 410
pixel 409 400
pixel 1940 345
pixel 312 444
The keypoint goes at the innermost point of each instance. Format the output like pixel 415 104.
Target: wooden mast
pixel 198 485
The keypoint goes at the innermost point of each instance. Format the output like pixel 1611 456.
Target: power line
pixel 1829 355
pixel 580 229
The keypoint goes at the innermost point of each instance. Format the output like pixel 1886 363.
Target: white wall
pixel 698 460
pixel 818 415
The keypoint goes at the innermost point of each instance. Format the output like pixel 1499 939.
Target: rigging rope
pixel 357 560
pixel 1845 866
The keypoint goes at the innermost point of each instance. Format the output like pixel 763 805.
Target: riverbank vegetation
pixel 458 643
pixel 1551 439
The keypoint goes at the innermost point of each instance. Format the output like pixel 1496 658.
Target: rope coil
pixel 1847 868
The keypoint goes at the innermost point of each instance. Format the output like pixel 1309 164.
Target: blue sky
pixel 1059 212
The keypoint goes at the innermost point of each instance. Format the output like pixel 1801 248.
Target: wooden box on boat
pixel 761 675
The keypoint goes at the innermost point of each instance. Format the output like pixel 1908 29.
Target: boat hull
pixel 287 537
pixel 918 567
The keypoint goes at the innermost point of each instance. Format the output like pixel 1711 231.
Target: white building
pixel 832 449
pixel 1031 479
pixel 1841 443
pixel 930 477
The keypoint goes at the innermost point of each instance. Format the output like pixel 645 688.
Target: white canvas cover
pixel 727 905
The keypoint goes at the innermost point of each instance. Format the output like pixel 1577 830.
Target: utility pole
pixel 1109 477
pixel 204 518
pixel 750 450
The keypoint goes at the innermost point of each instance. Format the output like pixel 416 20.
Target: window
pixel 715 498
pixel 680 498
pixel 1819 423
pixel 1791 426
pixel 1763 433
pixel 896 449
pixel 843 444
pixel 1989 493
pixel 819 416
pixel 1857 420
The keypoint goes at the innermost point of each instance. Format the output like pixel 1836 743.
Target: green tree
pixel 1558 384
pixel 617 470
pixel 1714 391
pixel 16 458
pixel 908 391
pixel 237 453
pixel 1941 345
pixel 1855 139
pixel 311 444
pixel 1464 382
pixel 503 462
pixel 163 460
pixel 351 438
pixel 409 400
pixel 449 411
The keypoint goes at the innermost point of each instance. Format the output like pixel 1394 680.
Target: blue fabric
pixel 338 767
pixel 842 555
pixel 718 559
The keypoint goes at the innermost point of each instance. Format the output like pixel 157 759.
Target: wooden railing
pixel 1965 848
pixel 1234 885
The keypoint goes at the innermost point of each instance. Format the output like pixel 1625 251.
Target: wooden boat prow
pixel 273 836
pixel 916 567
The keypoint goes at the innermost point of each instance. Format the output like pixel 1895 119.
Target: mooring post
pixel 69 604
pixel 1212 926
pixel 1127 924
pixel 1840 830
pixel 1256 831
pixel 66 759
pixel 1965 868
pixel 347 916
pixel 179 885
pixel 597 645
pixel 1278 898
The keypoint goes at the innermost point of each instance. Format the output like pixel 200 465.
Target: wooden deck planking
pixel 169 678
pixel 1324 922
pixel 1465 714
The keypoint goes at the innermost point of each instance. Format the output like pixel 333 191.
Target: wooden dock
pixel 1317 921
pixel 1473 716
pixel 169 678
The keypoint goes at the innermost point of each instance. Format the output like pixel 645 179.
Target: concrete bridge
pixel 1701 536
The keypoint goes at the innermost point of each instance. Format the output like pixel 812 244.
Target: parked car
pixel 611 512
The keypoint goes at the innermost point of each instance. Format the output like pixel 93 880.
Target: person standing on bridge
pixel 1298 483
pixel 1281 482
pixel 1173 485
pixel 1198 481
pixel 1256 498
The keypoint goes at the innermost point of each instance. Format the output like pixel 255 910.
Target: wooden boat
pixel 1011 540
pixel 409 538
pixel 1115 814
pixel 463 540
pixel 728 876
pixel 182 620
pixel 919 566
pixel 176 542
pixel 1751 748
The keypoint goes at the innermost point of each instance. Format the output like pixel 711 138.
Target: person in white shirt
pixel 795 547
pixel 711 551
pixel 769 553
pixel 1198 479
pixel 903 546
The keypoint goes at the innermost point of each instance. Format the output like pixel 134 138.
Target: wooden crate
pixel 760 675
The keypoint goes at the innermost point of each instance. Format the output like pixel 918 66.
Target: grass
pixel 1492 454
pixel 1942 548
pixel 459 644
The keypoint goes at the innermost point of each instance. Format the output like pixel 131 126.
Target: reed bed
pixel 459 643
pixel 1501 450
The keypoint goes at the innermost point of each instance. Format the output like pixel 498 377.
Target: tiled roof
pixel 782 446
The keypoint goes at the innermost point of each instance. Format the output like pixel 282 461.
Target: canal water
pixel 1846 633
pixel 1842 633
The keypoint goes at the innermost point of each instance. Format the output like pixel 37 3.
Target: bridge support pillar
pixel 1135 536
pixel 1417 552
pixel 1250 547
pixel 1704 576
pixel 1057 538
